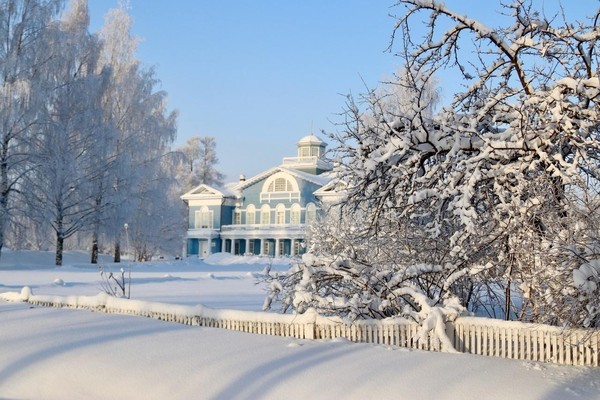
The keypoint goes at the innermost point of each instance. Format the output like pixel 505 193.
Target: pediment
pixel 206 192
pixel 319 180
pixel 335 189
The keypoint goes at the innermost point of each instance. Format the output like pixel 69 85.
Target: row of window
pixel 264 214
pixel 253 248
pixel 204 217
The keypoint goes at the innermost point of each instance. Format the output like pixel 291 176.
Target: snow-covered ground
pixel 73 354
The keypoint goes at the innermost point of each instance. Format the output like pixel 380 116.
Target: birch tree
pixel 198 163
pixel 23 52
pixel 120 108
pixel 69 136
pixel 141 132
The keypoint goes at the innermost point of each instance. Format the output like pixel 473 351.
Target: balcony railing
pixel 202 232
pixel 289 196
pixel 299 160
pixel 252 227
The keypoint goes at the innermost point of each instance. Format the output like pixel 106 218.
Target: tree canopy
pixel 489 202
pixel 85 136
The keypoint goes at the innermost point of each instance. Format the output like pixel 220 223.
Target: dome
pixel 311 140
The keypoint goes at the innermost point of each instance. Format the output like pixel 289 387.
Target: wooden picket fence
pixel 481 336
pixel 522 341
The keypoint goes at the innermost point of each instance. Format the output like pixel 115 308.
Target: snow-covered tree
pixel 138 132
pixel 117 55
pixel 157 225
pixel 68 135
pixel 148 147
pixel 366 260
pixel 198 163
pixel 24 26
pixel 508 158
pixel 499 184
pixel 84 134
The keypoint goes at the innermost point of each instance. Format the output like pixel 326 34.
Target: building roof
pixel 335 189
pixel 204 191
pixel 311 140
pixel 316 179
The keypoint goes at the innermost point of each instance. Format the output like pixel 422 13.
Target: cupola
pixel 311 146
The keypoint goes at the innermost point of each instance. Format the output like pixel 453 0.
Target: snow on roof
pixel 203 190
pixel 316 179
pixel 311 139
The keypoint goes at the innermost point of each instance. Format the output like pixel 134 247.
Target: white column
pixel 232 247
pixel 247 248
pixel 293 247
pixel 262 247
pixel 277 244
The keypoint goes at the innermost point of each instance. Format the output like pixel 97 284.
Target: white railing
pixel 193 233
pixel 300 160
pixel 471 335
pixel 253 227
pixel 288 196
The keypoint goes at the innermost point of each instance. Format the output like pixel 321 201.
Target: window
pixel 280 214
pixel 204 218
pixel 309 151
pixel 265 214
pixel 250 249
pixel 295 214
pixel 250 215
pixel 311 213
pixel 237 217
pixel 280 185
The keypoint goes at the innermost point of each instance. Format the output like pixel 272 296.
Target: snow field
pixel 72 354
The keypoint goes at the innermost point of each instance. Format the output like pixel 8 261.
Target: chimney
pixel 242 178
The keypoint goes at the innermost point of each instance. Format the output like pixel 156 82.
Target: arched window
pixel 204 218
pixel 280 214
pixel 265 214
pixel 311 213
pixel 280 186
pixel 250 214
pixel 295 214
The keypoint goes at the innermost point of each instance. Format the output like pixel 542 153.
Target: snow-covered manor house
pixel 263 215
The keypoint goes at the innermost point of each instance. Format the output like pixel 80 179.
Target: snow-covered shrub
pixel 355 274
pixel 115 284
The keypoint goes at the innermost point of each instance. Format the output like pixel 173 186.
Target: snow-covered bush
pixel 115 284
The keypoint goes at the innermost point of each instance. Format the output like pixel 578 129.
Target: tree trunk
pixel 4 189
pixel 60 241
pixel 117 252
pixel 507 304
pixel 94 259
pixel 96 229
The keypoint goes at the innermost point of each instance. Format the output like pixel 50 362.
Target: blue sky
pixel 259 74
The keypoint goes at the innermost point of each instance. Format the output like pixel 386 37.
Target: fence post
pixel 450 333
pixel 309 330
